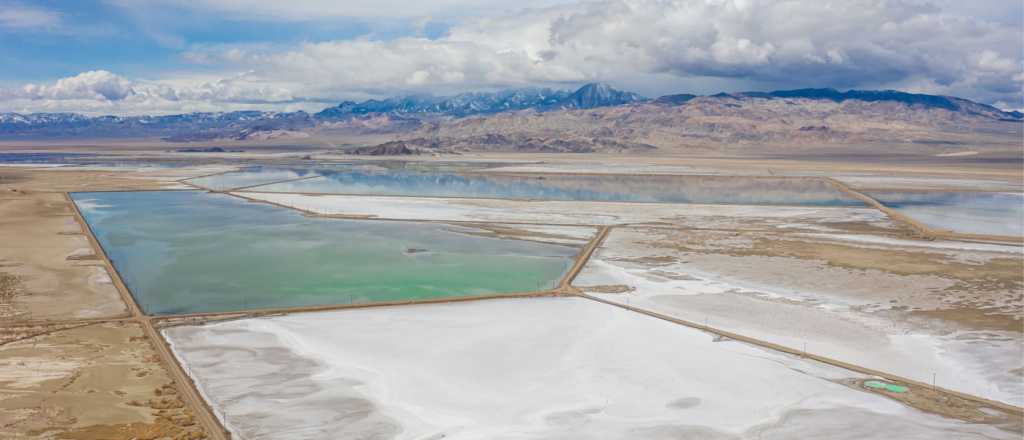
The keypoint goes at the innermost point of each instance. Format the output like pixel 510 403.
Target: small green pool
pixel 891 387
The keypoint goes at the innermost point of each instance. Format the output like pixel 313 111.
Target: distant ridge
pixel 679 99
pixel 466 104
pixel 406 113
pixel 932 101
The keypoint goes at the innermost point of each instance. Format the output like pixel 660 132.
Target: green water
pixel 877 384
pixel 192 251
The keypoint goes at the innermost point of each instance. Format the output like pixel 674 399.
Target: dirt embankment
pixel 947 405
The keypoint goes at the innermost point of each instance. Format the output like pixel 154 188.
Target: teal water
pixel 192 251
pixel 991 213
pixel 612 188
pixel 879 385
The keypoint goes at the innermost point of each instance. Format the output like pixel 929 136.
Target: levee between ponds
pixel 184 318
pixel 922 229
pixel 1016 410
pixel 190 393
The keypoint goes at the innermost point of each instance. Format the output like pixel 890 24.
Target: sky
pixel 130 57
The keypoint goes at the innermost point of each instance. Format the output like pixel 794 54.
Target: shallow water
pixel 48 158
pixel 266 174
pixel 85 160
pixel 257 175
pixel 993 213
pixel 192 251
pixel 665 189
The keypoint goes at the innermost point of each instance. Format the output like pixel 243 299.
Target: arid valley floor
pixel 780 299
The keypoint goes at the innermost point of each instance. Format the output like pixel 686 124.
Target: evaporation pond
pixel 256 175
pixel 193 251
pixel 83 160
pixel 991 213
pixel 612 188
pixel 267 174
pixel 40 158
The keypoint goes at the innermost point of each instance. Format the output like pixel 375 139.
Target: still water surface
pixel 614 188
pixel 192 251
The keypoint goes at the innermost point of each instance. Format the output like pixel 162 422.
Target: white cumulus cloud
pixel 661 46
pixel 795 43
pixel 101 91
pixel 97 85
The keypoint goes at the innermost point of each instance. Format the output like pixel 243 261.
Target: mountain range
pixel 468 104
pixel 595 117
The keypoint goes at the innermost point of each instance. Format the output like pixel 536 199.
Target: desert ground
pixel 76 363
pixel 669 313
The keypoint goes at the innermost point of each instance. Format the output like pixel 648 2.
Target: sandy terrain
pixel 61 377
pixel 51 268
pixel 912 308
pixel 539 368
pixel 98 381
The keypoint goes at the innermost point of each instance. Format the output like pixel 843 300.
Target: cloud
pixel 14 16
pixel 101 91
pixel 96 85
pixel 315 10
pixel 661 44
pixel 856 43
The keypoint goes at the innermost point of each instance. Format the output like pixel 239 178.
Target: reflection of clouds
pixel 949 198
pixel 668 189
pixel 970 212
pixel 257 175
pixel 704 189
pixel 90 205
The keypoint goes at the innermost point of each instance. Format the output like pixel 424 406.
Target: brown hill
pixel 721 123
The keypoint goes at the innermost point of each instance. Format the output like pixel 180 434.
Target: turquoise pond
pixel 616 188
pixel 990 213
pixel 193 251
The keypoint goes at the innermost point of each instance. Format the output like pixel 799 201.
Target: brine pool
pixel 257 175
pixel 990 213
pixel 358 180
pixel 84 160
pixel 193 251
